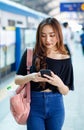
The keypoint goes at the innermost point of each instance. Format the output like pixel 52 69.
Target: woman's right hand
pixel 36 77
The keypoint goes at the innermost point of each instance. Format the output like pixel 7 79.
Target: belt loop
pixel 44 94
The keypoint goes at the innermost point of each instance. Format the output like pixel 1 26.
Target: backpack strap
pixel 28 63
pixel 29 59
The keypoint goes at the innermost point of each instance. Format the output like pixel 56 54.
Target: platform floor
pixel 74 104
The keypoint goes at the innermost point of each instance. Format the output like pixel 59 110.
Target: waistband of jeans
pixel 42 94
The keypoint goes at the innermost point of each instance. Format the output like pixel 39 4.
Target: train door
pixel 20 45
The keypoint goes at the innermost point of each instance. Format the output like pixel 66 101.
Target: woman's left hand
pixel 53 79
pixel 56 81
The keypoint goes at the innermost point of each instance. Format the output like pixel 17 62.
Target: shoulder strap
pixel 29 59
pixel 28 63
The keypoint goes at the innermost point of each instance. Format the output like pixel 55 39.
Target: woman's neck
pixel 52 52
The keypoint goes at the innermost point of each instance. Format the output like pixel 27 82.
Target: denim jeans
pixel 47 111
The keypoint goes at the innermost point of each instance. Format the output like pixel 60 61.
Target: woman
pixel 66 36
pixel 47 107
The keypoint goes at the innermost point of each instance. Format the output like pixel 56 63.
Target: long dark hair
pixel 39 50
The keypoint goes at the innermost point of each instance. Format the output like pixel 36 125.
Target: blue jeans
pixel 47 111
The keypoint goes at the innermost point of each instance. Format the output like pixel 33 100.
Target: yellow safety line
pixel 4 91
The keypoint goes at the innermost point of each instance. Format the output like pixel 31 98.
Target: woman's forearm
pixel 63 89
pixel 20 80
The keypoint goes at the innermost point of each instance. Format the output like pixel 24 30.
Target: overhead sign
pixel 72 7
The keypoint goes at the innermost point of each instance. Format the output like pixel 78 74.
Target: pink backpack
pixel 20 103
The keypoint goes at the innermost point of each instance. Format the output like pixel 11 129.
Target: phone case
pixel 45 71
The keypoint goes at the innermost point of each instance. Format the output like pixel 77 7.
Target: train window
pixel 11 22
pixel 19 22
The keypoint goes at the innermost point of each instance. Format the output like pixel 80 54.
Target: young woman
pixel 47 107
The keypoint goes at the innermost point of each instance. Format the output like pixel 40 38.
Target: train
pixel 18 26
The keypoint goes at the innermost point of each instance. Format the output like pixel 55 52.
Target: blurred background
pixel 18 23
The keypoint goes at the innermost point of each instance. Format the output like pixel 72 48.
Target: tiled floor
pixel 74 105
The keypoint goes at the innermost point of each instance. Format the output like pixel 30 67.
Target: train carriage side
pixel 17 25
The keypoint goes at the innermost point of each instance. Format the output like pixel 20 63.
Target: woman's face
pixel 48 37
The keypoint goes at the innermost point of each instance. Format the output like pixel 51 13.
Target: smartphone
pixel 45 71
